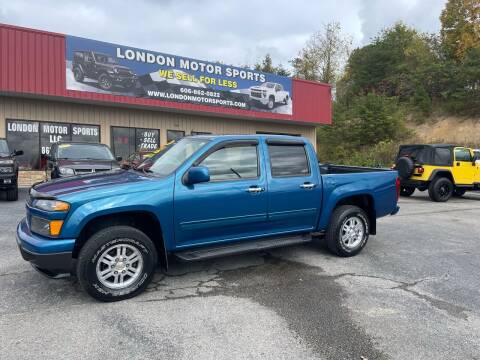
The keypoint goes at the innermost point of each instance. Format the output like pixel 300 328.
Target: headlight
pixel 66 171
pixel 45 227
pixel 51 205
pixel 6 162
pixel 111 71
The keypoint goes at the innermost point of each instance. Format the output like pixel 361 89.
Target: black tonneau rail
pixel 346 169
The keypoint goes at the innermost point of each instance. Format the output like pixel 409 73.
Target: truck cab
pixel 207 196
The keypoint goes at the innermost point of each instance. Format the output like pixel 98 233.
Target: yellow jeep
pixel 444 170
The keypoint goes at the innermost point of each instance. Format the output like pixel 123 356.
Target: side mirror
pixel 18 152
pixel 197 174
pixel 118 158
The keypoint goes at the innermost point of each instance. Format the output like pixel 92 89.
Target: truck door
pixel 232 205
pixel 464 168
pixel 294 188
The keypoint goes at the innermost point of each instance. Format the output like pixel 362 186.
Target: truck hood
pixel 119 180
pixel 259 88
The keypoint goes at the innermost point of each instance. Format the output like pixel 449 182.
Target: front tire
pixel 271 103
pixel 440 189
pixel 348 231
pixel 105 82
pixel 116 263
pixel 407 191
pixel 12 194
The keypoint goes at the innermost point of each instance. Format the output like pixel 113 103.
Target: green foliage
pixel 266 65
pixel 362 131
pixel 460 27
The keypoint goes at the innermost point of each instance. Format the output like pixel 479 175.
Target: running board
pixel 241 247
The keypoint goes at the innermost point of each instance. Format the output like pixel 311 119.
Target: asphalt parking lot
pixel 413 293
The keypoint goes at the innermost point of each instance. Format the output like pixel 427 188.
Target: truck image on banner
pixel 101 67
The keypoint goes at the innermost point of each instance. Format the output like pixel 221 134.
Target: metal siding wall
pixel 33 62
pixel 107 116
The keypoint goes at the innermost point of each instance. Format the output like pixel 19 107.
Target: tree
pixel 324 54
pixel 460 30
pixel 266 65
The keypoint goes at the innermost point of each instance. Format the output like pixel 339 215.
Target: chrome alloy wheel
pixel 119 266
pixel 353 232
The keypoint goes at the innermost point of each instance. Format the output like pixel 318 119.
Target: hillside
pixel 448 129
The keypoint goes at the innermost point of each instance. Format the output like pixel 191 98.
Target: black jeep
pixel 103 68
pixel 9 171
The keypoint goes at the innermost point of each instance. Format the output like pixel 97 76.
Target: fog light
pixel 46 227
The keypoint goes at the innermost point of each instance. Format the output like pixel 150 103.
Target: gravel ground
pixel 413 293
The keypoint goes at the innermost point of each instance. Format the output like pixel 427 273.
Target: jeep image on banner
pixel 101 67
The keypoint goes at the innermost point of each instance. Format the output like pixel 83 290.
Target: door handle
pixel 307 186
pixel 255 189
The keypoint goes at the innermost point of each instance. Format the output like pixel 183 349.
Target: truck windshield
pixel 84 152
pixel 176 155
pixel 268 85
pixel 4 148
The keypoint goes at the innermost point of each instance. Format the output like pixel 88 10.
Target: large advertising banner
pixel 101 67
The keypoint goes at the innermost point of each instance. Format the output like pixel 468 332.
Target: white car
pixel 269 94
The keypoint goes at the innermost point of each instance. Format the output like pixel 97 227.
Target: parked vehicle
pixel 103 68
pixel 9 171
pixel 443 170
pixel 143 157
pixel 205 197
pixel 77 158
pixel 268 94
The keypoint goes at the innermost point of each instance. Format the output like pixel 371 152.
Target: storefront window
pixel 25 135
pixel 199 133
pixel 147 139
pixel 126 141
pixel 36 137
pixel 174 135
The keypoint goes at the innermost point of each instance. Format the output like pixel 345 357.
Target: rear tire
pixel 12 194
pixel 440 189
pixel 407 191
pixel 348 231
pixel 458 192
pixel 126 258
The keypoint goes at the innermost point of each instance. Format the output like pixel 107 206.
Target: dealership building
pixel 56 87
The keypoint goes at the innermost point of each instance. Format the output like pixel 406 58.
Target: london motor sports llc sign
pixel 96 66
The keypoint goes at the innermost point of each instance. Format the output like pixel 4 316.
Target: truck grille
pixel 123 72
pixel 6 169
pixel 256 93
pixel 88 171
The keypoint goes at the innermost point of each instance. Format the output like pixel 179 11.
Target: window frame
pixel 224 144
pixel 465 149
pixel 288 144
pixel 182 131
pixel 112 145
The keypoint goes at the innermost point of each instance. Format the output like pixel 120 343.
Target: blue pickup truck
pixel 207 196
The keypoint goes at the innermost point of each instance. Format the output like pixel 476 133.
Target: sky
pixel 235 32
